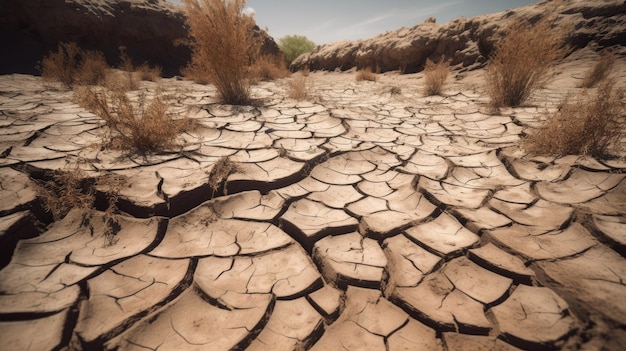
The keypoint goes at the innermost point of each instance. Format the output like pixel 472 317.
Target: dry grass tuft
pixel 223 46
pixel 522 62
pixel 590 124
pixel 128 69
pixel 366 74
pixel 142 125
pixel 299 87
pixel 93 69
pixel 600 70
pixel 152 74
pixel 268 68
pixel 65 191
pixel 72 65
pixel 196 74
pixel 61 65
pixel 435 75
pixel 220 172
pixel 70 189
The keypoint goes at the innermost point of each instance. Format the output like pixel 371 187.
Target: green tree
pixel 293 46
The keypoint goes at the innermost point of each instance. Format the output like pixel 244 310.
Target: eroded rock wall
pixel 149 29
pixel 468 42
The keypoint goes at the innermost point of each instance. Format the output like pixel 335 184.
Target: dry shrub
pixel 589 124
pixel 93 69
pixel 196 74
pixel 366 74
pixel 152 74
pixel 140 125
pixel 220 172
pixel 70 189
pixel 223 46
pixel 600 70
pixel 435 75
pixel 395 90
pixel 522 61
pixel 72 65
pixel 121 81
pixel 128 69
pixel 61 65
pixel 299 87
pixel 269 67
pixel 65 191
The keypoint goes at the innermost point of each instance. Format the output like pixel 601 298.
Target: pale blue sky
pixel 325 21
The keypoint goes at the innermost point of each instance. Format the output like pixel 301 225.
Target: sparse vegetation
pixel 589 124
pixel 299 87
pixel 223 46
pixel 293 46
pixel 522 62
pixel 395 90
pixel 128 70
pixel 435 75
pixel 152 74
pixel 195 73
pixel 366 74
pixel 600 70
pixel 93 68
pixel 269 67
pixel 72 65
pixel 70 189
pixel 220 172
pixel 142 125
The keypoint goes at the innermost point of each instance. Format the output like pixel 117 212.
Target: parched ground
pixel 360 219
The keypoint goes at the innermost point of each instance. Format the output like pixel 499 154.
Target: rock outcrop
pixel 468 42
pixel 149 29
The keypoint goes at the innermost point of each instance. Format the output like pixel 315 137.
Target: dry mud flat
pixel 362 219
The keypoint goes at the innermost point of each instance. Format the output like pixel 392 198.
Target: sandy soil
pixel 359 219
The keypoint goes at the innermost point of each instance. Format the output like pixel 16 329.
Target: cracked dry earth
pixel 359 220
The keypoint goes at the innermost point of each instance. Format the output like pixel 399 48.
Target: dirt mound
pixel 469 41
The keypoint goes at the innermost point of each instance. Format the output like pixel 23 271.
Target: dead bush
pixel 128 69
pixel 93 68
pixel 522 61
pixel 395 90
pixel 196 74
pixel 61 65
pixel 220 172
pixel 269 67
pixel 71 188
pixel 152 74
pixel 435 75
pixel 223 46
pixel 366 74
pixel 589 124
pixel 72 65
pixel 138 124
pixel 600 70
pixel 299 87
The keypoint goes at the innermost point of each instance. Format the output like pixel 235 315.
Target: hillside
pixel 468 42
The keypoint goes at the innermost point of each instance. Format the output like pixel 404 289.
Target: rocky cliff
pixel 147 28
pixel 468 42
